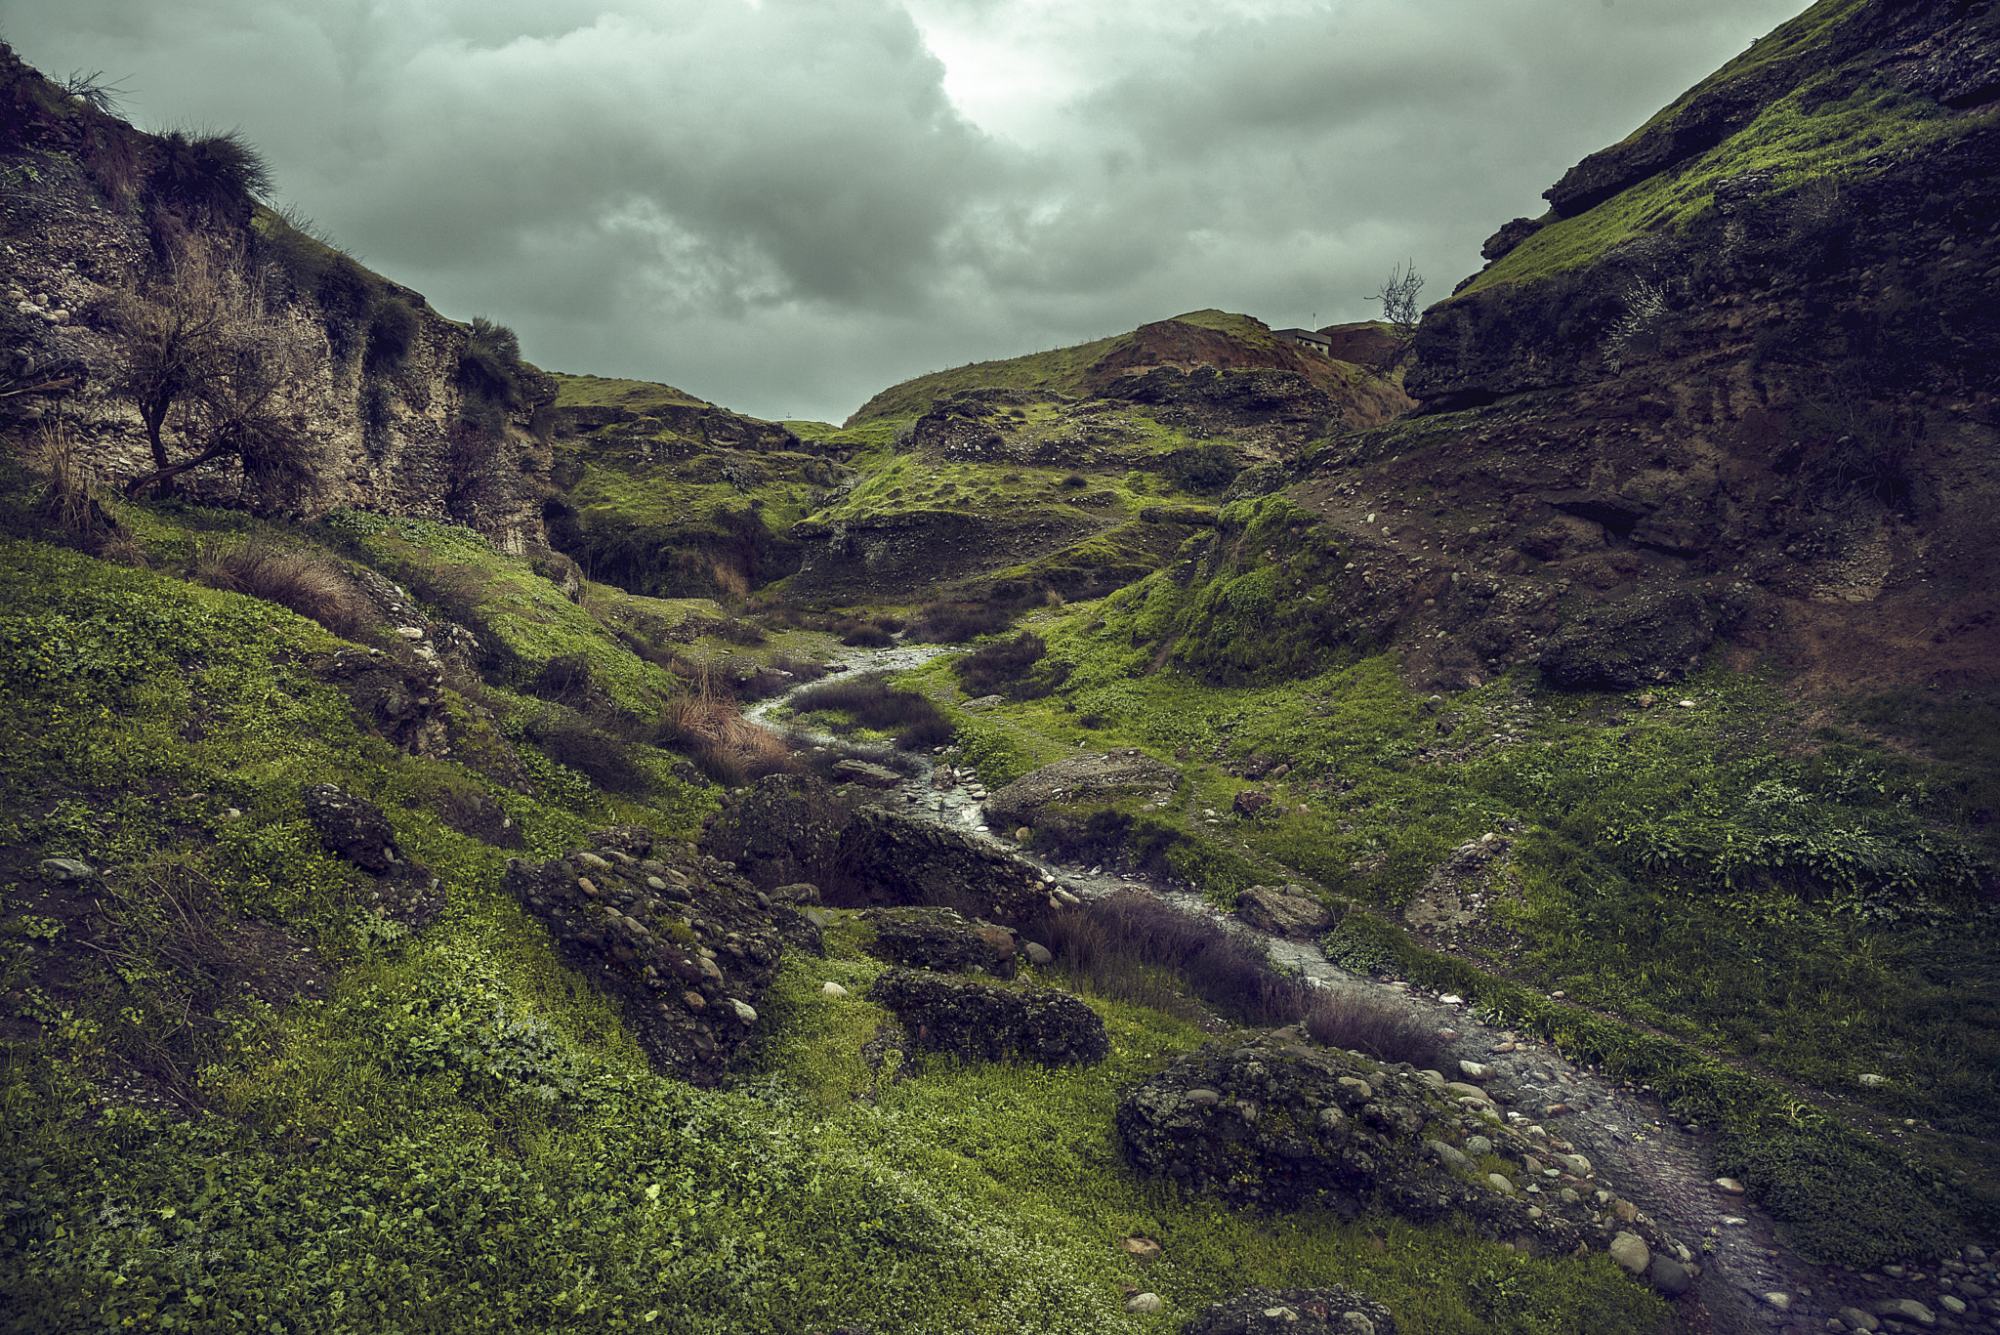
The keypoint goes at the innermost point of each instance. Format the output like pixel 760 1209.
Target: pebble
pixel 832 989
pixel 744 1010
pixel 1906 1309
pixel 1475 1070
pixel 1144 1303
pixel 1500 1184
pixel 1781 1301
pixel 1729 1186
pixel 1630 1251
pixel 1452 999
pixel 1856 1319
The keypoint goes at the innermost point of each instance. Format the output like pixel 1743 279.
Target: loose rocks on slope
pixel 685 945
pixel 1329 1311
pixel 1272 1124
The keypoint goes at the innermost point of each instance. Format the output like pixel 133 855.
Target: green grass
pixel 1798 142
pixel 459 1135
pixel 1805 904
pixel 593 391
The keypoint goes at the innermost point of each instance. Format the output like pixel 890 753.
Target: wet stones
pixel 941 939
pixel 1332 1310
pixel 682 943
pixel 1283 911
pixel 992 1021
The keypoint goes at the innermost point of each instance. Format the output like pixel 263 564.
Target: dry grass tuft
pixel 312 585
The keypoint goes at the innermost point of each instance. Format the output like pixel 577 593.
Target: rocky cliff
pixel 1738 381
pixel 387 405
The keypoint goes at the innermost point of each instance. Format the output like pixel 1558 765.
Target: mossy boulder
pixel 1332 1310
pixel 782 830
pixel 1275 1124
pixel 358 832
pixel 991 1021
pixel 1062 803
pixel 685 945
pixel 942 939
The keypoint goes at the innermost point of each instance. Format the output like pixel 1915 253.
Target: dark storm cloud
pixel 786 205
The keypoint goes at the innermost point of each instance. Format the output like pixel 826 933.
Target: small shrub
pixel 1017 668
pixel 392 328
pixel 1349 1018
pixel 958 622
pixel 872 703
pixel 314 586
pixel 70 504
pixel 213 174
pixel 1202 468
pixel 859 634
pixel 711 731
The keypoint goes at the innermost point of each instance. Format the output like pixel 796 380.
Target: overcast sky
pixel 785 205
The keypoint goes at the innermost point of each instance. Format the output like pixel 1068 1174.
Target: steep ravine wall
pixel 83 228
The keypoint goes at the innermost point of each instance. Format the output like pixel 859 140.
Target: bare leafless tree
pixel 206 353
pixel 1398 295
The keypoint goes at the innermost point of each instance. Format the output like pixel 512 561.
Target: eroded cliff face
pixel 384 400
pixel 1745 367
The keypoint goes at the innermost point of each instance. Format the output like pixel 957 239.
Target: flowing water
pixel 1634 1146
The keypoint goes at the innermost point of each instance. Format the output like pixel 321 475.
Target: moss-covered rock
pixel 992 1022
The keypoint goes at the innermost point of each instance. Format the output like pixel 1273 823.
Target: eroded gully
pixel 1750 1281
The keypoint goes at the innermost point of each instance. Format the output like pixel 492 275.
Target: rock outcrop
pixel 942 940
pixel 384 409
pixel 1273 1124
pixel 685 945
pixel 991 1021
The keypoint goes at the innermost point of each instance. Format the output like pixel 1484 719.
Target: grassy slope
pixel 1799 138
pixel 458 1134
pixel 1717 873
pixel 1059 371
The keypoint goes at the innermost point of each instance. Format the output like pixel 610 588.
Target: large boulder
pixel 1274 1124
pixel 1049 799
pixel 991 1021
pixel 1332 1310
pixel 941 939
pixel 783 830
pixel 684 944
pixel 889 857
pixel 1283 911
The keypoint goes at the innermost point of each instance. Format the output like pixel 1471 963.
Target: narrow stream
pixel 1750 1282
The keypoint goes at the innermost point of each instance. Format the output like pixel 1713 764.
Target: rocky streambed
pixel 1652 1170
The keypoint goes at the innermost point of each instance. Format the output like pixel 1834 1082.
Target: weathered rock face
pixel 1772 427
pixel 943 940
pixel 992 1022
pixel 1329 1311
pixel 1273 1124
pixel 1652 637
pixel 685 945
pixel 394 434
